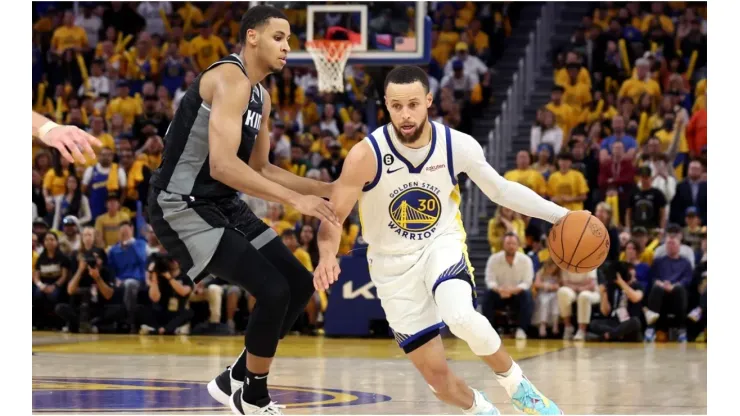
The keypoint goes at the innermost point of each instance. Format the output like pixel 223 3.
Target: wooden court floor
pixel 316 375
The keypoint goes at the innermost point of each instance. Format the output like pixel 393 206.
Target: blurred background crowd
pixel 624 135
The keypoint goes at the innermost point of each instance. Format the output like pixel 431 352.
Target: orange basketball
pixel 579 242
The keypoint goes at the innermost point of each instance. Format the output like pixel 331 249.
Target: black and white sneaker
pixel 240 407
pixel 221 387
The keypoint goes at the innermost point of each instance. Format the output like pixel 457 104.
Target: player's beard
pixel 414 136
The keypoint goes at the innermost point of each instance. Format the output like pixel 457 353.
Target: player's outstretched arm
pixel 502 191
pixel 260 162
pixel 359 169
pixel 68 139
pixel 230 92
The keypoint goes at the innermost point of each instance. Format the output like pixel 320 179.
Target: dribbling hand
pixel 317 207
pixel 326 273
pixel 69 140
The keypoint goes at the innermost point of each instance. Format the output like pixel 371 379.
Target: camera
pixel 161 263
pixel 618 267
pixel 91 260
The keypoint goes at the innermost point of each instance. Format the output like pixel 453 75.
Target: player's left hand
pixel 326 273
pixel 69 140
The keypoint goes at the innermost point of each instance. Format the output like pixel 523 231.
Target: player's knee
pixel 274 295
pixel 474 328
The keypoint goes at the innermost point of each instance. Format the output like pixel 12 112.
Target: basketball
pixel 579 242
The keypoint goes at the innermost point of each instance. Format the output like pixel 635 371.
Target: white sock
pixel 510 380
pixel 480 405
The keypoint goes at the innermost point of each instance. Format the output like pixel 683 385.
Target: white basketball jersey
pixel 406 207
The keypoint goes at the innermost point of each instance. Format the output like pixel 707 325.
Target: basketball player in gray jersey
pixel 217 145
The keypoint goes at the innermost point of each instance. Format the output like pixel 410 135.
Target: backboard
pixel 385 33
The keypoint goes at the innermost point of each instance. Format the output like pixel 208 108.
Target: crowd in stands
pixel 119 70
pixel 624 136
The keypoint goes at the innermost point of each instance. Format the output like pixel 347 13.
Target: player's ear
pixel 252 37
pixel 430 98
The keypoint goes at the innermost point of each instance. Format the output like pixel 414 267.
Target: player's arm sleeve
pixel 468 155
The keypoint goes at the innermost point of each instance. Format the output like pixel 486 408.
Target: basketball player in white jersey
pixel 404 176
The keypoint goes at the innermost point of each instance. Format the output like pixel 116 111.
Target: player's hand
pixel 326 273
pixel 317 207
pixel 667 286
pixel 69 140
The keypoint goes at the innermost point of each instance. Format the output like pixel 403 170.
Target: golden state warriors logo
pixel 414 210
pixel 108 395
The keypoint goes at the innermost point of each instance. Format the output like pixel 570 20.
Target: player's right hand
pixel 317 207
pixel 326 273
pixel 69 140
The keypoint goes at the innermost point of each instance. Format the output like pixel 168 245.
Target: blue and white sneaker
pixel 482 405
pixel 682 336
pixel 527 399
pixel 650 335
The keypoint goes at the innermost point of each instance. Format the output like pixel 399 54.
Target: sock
pixel 510 379
pixel 255 389
pixel 239 368
pixel 479 406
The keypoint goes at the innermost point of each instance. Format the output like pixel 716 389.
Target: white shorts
pixel 406 284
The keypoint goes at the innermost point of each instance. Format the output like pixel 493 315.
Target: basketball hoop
pixel 330 58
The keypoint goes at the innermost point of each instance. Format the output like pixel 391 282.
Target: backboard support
pixel 381 43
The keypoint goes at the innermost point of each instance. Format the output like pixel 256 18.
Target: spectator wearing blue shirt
pixel 127 261
pixel 642 270
pixel 620 135
pixel 671 275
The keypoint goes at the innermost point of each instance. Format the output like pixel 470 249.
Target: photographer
pixel 169 290
pixel 620 304
pixel 91 292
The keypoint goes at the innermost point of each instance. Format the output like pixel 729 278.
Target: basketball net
pixel 330 58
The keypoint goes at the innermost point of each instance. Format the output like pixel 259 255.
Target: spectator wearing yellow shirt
pixel 275 218
pixel 583 76
pixel 350 137
pixel 525 175
pixel 643 83
pixel 576 93
pixel 565 116
pixel 191 14
pixel 504 221
pixel 107 224
pixel 207 48
pixel 658 13
pixel 645 247
pixel 143 60
pixel 478 38
pixel 229 22
pixel 176 36
pixel 449 36
pixel 567 187
pixel 69 36
pixel 97 130
pixel 55 178
pixel 288 96
pixel 348 238
pixel 440 50
pixel 128 107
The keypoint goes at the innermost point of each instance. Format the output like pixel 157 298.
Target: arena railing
pixel 506 125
